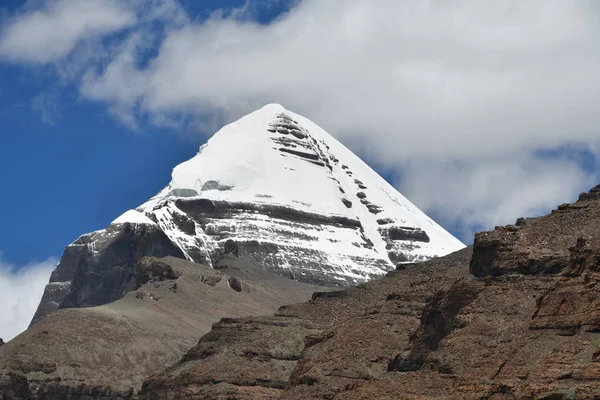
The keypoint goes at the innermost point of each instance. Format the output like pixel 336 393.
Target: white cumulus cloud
pixel 461 89
pixel 51 32
pixel 480 194
pixel 21 290
pixel 410 78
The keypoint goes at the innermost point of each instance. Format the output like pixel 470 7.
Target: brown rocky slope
pixel 515 317
pixel 105 352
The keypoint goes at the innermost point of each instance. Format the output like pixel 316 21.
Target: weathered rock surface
pixel 540 245
pixel 152 269
pixel 98 268
pixel 327 347
pixel 519 319
pixel 515 317
pixel 105 352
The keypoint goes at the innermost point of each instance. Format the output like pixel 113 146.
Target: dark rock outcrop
pixel 99 268
pixel 231 247
pixel 573 304
pixel 394 233
pixel 235 284
pixel 17 387
pixel 199 209
pixel 537 246
pixel 152 269
pixel 437 322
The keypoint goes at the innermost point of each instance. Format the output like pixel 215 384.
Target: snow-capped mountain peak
pixel 274 162
pixel 273 189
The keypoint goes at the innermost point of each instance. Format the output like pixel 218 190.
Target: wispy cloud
pixel 46 105
pixel 478 85
pixel 480 194
pixel 21 290
pixel 49 33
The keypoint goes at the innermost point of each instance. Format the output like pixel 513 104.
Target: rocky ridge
pixel 516 319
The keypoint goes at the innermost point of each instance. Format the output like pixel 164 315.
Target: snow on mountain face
pixel 273 189
pixel 133 217
pixel 280 190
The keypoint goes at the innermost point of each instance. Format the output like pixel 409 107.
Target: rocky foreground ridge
pixel 105 352
pixel 515 317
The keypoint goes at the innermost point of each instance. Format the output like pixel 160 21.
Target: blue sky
pixel 478 112
pixel 75 176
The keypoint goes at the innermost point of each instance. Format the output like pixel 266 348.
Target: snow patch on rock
pixel 133 217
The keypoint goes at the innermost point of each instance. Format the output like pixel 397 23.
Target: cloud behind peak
pixel 486 86
pixel 21 290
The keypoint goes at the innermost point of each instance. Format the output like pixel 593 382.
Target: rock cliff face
pixel 537 245
pixel 98 268
pixel 517 319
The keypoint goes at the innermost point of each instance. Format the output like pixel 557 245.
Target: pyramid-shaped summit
pixel 272 188
pixel 294 198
